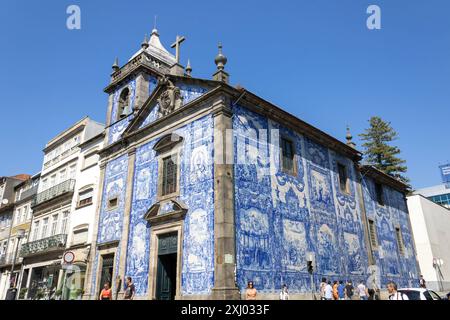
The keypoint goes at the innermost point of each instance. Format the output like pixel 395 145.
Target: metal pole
pixel 313 287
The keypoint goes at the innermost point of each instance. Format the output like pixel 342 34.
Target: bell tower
pixel 132 83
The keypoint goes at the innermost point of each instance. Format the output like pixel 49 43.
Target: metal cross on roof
pixel 176 45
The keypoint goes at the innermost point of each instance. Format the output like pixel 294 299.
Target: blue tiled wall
pixel 196 191
pixel 280 217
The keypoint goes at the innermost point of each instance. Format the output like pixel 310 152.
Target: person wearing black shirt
pixel 130 291
pixel 349 290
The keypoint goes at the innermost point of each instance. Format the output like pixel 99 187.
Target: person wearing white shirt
pixel 394 294
pixel 362 291
pixel 328 291
pixel 284 294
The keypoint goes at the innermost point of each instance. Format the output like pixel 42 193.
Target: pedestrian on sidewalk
pixel 251 292
pixel 284 294
pixel 341 290
pixel 322 287
pixel 422 282
pixel 130 291
pixel 394 294
pixel 106 293
pixel 335 290
pixel 349 290
pixel 328 291
pixel 362 290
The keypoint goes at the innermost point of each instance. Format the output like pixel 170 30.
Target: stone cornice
pixel 76 128
pixel 134 66
pixel 108 245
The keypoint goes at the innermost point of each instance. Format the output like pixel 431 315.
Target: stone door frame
pixel 155 232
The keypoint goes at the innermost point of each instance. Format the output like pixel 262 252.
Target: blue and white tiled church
pixel 207 186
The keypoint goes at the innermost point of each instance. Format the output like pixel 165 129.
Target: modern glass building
pixel 443 199
pixel 439 194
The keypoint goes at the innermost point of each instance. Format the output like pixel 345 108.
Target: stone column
pixel 142 94
pixel 90 265
pixel 109 110
pixel 28 281
pixel 61 277
pixel 224 224
pixel 126 218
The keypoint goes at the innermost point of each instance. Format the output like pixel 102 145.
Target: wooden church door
pixel 166 277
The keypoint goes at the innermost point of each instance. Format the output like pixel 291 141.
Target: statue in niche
pixel 170 100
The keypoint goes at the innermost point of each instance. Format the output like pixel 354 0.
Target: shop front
pixel 74 268
pixel 43 282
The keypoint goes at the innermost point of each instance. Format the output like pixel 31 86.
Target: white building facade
pixel 82 219
pixel 431 224
pixel 8 230
pixel 52 208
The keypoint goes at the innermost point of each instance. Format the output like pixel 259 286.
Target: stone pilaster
pixel 224 222
pixel 221 76
pixel 126 218
pixel 177 70
pixel 109 111
pixel 90 265
pixel 142 93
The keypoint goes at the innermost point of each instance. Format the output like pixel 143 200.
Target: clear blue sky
pixel 316 59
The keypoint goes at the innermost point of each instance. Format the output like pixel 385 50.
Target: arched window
pixel 168 151
pixel 124 104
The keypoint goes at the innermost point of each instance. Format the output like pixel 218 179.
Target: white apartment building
pixel 82 218
pixel 8 248
pixel 42 254
pixel 25 193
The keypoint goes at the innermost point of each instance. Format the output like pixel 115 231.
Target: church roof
pixel 380 176
pixel 157 50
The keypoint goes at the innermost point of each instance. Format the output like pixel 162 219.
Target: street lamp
pixel 310 262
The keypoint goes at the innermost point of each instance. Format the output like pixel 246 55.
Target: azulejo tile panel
pixel 196 191
pixel 281 217
pixel 401 268
pixel 144 196
pixel 111 220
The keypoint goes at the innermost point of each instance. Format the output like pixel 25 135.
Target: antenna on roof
pixel 156 18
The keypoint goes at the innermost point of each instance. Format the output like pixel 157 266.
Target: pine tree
pixel 379 153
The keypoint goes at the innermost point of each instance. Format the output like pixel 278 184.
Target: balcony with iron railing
pixel 65 187
pixel 46 245
pixel 27 193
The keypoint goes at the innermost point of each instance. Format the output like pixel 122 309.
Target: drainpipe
pixel 362 206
